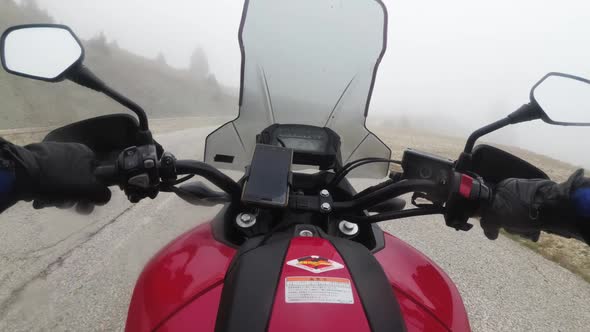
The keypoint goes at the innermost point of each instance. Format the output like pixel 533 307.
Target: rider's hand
pixel 57 174
pixel 526 207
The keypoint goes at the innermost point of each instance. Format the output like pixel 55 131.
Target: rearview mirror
pixel 563 99
pixel 40 51
pixel 52 53
pixel 558 98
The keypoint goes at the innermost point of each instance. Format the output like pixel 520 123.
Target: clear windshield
pixel 306 62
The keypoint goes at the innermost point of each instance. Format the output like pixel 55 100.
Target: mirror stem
pixel 484 131
pixel 86 77
pixel 526 112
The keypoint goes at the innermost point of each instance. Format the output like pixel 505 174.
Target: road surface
pixel 64 272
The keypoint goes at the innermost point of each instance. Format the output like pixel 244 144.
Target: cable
pixel 352 163
pixel 184 179
pixel 358 160
pixel 357 163
pixel 281 142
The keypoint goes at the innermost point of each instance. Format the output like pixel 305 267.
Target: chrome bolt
pixel 326 207
pixel 324 193
pixel 306 233
pixel 245 220
pixel 348 228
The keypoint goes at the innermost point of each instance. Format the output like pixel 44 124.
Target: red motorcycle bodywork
pixel 180 289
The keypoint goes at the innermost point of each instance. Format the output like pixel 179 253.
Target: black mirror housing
pixel 562 99
pixel 45 52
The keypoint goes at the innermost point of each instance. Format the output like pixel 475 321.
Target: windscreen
pixel 310 62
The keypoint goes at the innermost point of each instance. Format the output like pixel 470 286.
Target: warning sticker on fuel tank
pixel 315 264
pixel 318 290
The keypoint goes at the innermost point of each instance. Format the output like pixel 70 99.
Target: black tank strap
pixel 376 293
pixel 246 304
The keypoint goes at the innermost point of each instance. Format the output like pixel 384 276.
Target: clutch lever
pixel 197 193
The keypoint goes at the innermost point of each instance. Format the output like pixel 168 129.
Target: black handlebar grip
pixel 108 175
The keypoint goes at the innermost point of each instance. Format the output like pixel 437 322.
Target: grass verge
pixel 570 254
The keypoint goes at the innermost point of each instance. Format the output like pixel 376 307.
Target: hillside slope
pixel 161 90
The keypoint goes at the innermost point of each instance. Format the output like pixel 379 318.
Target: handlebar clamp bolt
pixel 306 233
pixel 245 220
pixel 326 207
pixel 348 228
pixel 324 193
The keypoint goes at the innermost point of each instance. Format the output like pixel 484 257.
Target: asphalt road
pixel 64 272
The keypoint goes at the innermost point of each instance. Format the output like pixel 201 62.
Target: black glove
pixel 527 207
pixel 57 174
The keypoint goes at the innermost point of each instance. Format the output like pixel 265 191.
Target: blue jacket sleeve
pixel 581 200
pixel 7 181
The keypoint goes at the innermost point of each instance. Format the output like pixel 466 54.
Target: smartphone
pixel 268 180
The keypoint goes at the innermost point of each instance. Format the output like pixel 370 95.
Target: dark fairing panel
pixel 310 62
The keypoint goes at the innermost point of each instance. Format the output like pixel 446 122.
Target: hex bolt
pixel 348 228
pixel 324 193
pixel 306 233
pixel 245 220
pixel 326 207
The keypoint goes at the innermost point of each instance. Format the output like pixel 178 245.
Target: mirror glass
pixel 564 99
pixel 40 52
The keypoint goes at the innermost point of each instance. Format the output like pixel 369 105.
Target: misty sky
pixel 461 63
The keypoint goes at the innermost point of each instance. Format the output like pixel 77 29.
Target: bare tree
pixel 161 59
pixel 199 65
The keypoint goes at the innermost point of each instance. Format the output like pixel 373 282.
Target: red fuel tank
pixel 180 288
pixel 422 282
pixel 183 275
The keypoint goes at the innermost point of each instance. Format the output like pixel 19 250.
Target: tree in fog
pixel 161 59
pixel 30 5
pixel 199 65
pixel 99 43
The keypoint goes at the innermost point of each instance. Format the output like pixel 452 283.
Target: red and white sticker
pixel 318 290
pixel 315 264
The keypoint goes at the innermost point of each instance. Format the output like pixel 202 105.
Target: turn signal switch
pixel 138 165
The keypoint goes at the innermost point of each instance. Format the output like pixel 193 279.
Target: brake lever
pixel 392 204
pixel 420 195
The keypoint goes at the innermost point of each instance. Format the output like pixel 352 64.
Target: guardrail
pixel 159 125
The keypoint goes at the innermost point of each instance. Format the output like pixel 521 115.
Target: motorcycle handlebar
pixel 110 175
pixel 462 188
pixel 463 185
pixel 210 173
pixel 379 195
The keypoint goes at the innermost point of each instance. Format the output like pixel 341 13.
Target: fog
pixel 450 66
